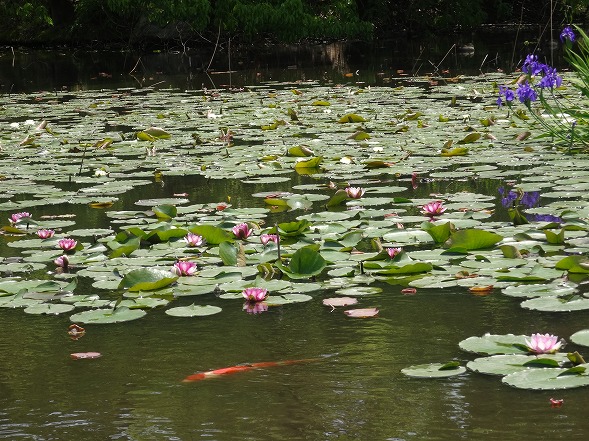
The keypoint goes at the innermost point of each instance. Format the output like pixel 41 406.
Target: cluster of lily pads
pixel 392 186
pixel 526 363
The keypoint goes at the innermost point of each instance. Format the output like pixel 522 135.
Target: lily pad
pixel 107 316
pixel 362 312
pixel 146 279
pixel 434 370
pixel 286 299
pixel 557 304
pixel 193 310
pixel 508 364
pixel 304 263
pixel 495 344
pixel 581 337
pixel 359 290
pixel 548 379
pixel 49 308
pixel 340 301
pixel 463 241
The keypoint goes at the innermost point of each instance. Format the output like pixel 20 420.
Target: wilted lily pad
pixel 85 355
pixel 362 312
pixel 340 301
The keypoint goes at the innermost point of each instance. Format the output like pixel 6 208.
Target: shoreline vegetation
pixel 194 24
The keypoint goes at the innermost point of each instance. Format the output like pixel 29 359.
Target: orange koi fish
pixel 241 368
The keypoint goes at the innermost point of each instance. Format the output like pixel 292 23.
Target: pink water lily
pixel 355 192
pixel 265 238
pixel 255 294
pixel 67 244
pixel 543 343
pixel 15 217
pixel 193 240
pixel 62 262
pixel 184 268
pixel 255 307
pixel 242 231
pixel 434 208
pixel 394 252
pixel 45 234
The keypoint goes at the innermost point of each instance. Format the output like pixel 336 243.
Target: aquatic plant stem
pixel 277 241
pixel 82 162
pixel 215 50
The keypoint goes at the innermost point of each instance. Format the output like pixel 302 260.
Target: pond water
pixel 348 383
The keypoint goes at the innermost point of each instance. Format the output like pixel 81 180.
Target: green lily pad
pixel 107 316
pixel 193 310
pixel 495 344
pixel 165 212
pixel 463 241
pixel 434 370
pixel 359 291
pixel 146 279
pixel 17 301
pixel 49 308
pixel 538 290
pixel 439 233
pixel 212 234
pixel 556 304
pixel 304 263
pixel 508 364
pixel 286 299
pixel 548 379
pixel 581 337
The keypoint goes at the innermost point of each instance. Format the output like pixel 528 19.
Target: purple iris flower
pixel 567 34
pixel 532 66
pixel 543 218
pixel 550 79
pixel 507 93
pixel 530 198
pixel 526 93
pixel 507 197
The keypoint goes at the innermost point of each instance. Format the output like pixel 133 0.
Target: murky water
pixel 353 390
pixel 29 70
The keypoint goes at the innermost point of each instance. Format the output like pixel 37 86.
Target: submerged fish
pixel 243 367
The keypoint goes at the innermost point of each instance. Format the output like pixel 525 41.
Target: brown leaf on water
pixel 76 331
pixel 481 290
pixel 523 136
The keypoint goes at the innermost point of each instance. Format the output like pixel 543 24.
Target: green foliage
pixel 21 18
pixel 282 20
